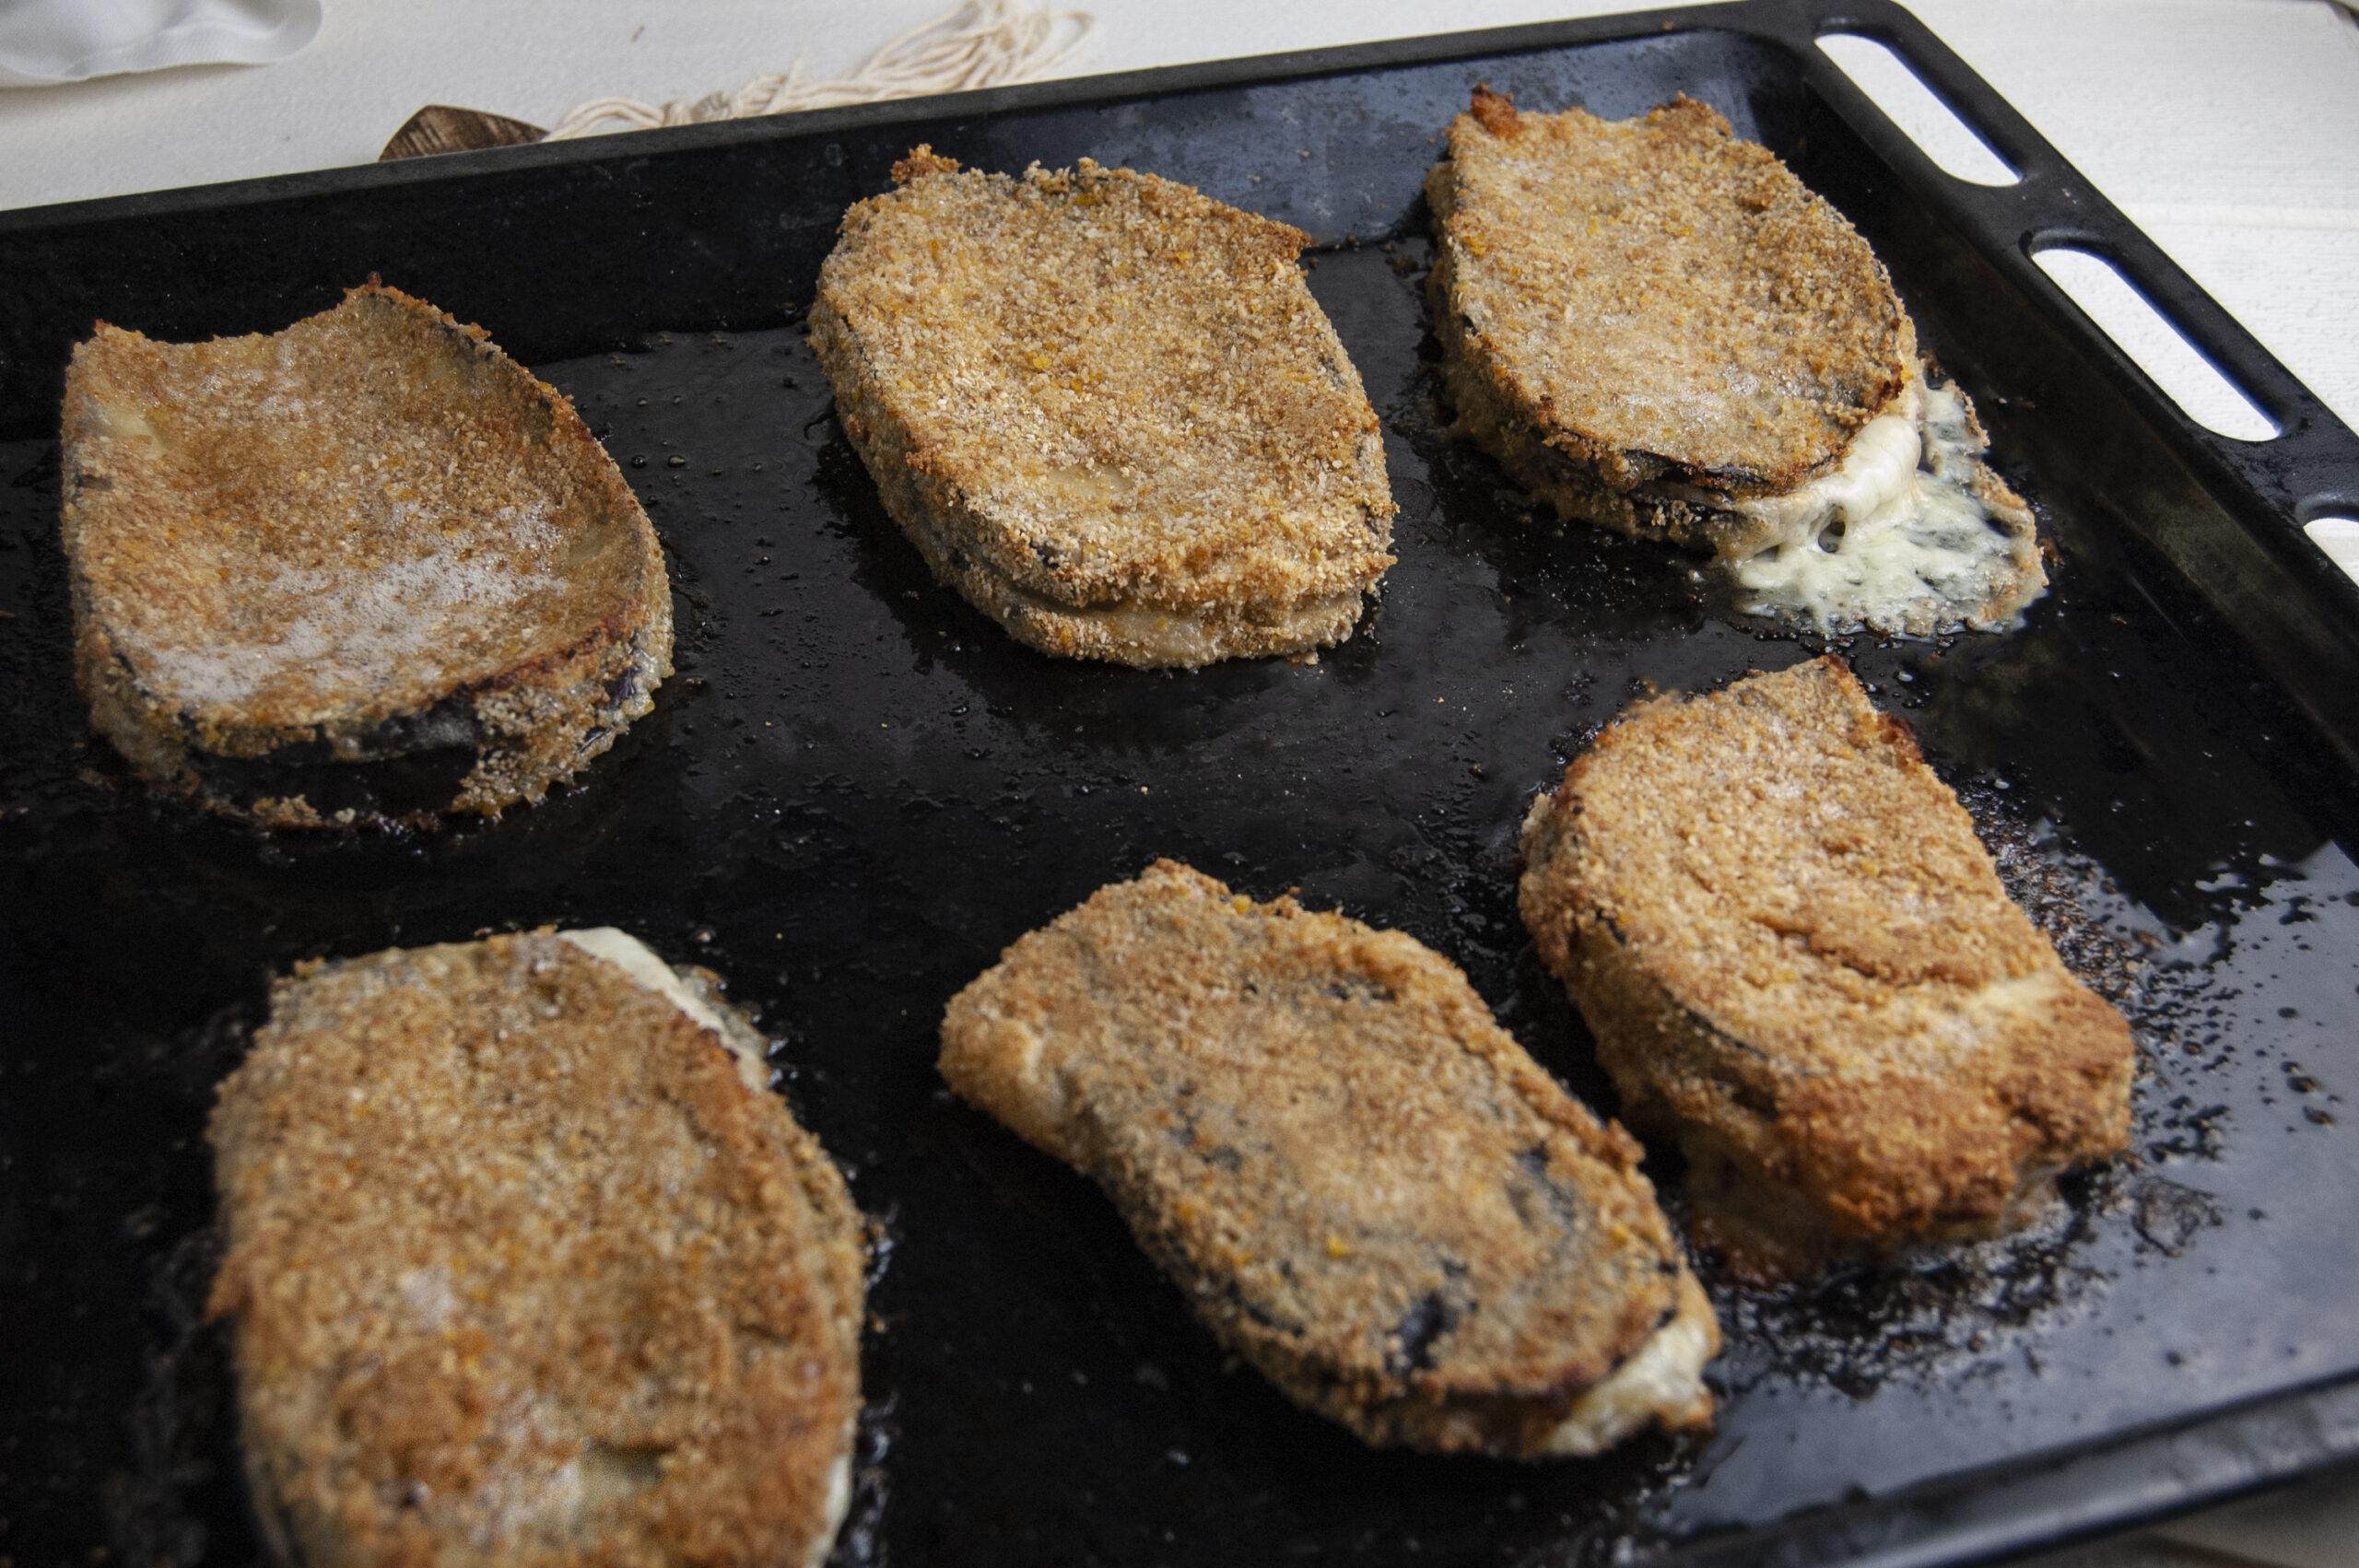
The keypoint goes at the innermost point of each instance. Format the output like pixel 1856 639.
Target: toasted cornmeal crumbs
pixel 1362 1183
pixel 1654 327
pixel 370 532
pixel 1662 286
pixel 1795 951
pixel 1108 410
pixel 524 1272
pixel 1663 296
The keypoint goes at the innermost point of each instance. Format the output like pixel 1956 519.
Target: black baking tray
pixel 857 790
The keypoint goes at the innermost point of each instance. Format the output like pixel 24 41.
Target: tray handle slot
pixel 2339 537
pixel 1939 130
pixel 2311 468
pixel 2140 328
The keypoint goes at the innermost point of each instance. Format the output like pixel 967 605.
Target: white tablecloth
pixel 2228 129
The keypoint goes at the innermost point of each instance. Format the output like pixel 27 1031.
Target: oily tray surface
pixel 857 790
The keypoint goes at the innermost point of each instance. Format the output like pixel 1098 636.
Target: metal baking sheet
pixel 856 790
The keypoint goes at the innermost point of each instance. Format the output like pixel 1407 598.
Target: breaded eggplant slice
pixel 1363 1184
pixel 529 1267
pixel 1797 956
pixel 1656 327
pixel 365 569
pixel 1107 412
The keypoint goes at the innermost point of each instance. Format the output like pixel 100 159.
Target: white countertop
pixel 2228 129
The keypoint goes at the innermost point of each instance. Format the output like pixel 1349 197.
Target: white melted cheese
pixel 1895 539
pixel 1664 1380
pixel 838 1504
pixel 649 973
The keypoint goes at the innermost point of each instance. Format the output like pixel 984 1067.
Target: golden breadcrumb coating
pixel 1794 952
pixel 1666 295
pixel 370 532
pixel 524 1272
pixel 1366 1186
pixel 1655 327
pixel 1108 410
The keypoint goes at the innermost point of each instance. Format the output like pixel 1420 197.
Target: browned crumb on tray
pixel 1795 953
pixel 525 1270
pixel 1108 411
pixel 368 536
pixel 1366 1186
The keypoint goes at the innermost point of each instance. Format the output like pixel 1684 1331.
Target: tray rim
pixel 2070 1496
pixel 2048 1499
pixel 1055 93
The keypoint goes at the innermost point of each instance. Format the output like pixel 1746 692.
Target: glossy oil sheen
pixel 856 791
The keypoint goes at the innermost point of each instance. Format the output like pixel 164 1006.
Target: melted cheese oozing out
pixel 650 973
pixel 1665 1377
pixel 839 1503
pixel 1895 539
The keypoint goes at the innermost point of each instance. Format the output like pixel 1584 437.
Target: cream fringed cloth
pixel 982 43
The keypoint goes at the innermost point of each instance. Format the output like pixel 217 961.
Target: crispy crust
pixel 524 1272
pixel 1794 952
pixel 1108 411
pixel 1364 1186
pixel 1631 309
pixel 367 538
